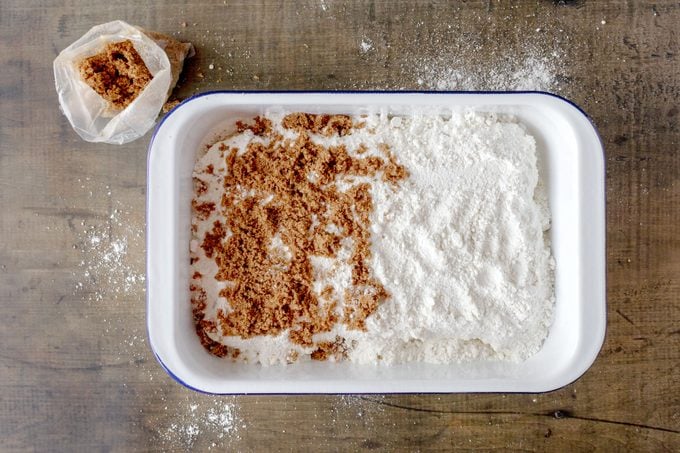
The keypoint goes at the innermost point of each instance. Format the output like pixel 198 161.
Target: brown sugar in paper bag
pixel 120 111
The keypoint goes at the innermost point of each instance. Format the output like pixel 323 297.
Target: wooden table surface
pixel 76 372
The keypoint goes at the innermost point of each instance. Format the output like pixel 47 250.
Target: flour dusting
pixel 106 270
pixel 534 68
pixel 212 423
pixel 460 245
pixel 366 45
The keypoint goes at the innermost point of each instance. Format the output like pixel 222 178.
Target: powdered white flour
pixel 459 245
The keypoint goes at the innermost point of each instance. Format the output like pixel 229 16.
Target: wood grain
pixel 76 373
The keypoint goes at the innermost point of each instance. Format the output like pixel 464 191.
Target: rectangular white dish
pixel 573 167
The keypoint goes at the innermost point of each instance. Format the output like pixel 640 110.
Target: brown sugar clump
pixel 285 190
pixel 260 126
pixel 170 105
pixel 117 73
pixel 318 124
pixel 213 239
pixel 203 210
pixel 337 350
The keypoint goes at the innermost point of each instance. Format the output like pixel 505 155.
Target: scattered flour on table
pixel 106 270
pixel 111 272
pixel 208 423
pixel 458 57
pixel 366 45
pixel 534 68
pixel 359 407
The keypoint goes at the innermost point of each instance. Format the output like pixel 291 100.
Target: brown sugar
pixel 203 210
pixel 268 194
pixel 318 124
pixel 336 350
pixel 117 73
pixel 169 105
pixel 260 126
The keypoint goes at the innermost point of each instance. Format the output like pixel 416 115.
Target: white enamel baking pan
pixel 572 164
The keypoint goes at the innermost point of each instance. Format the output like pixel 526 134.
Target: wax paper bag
pixel 91 116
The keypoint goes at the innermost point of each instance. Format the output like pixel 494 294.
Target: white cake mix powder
pixel 460 245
